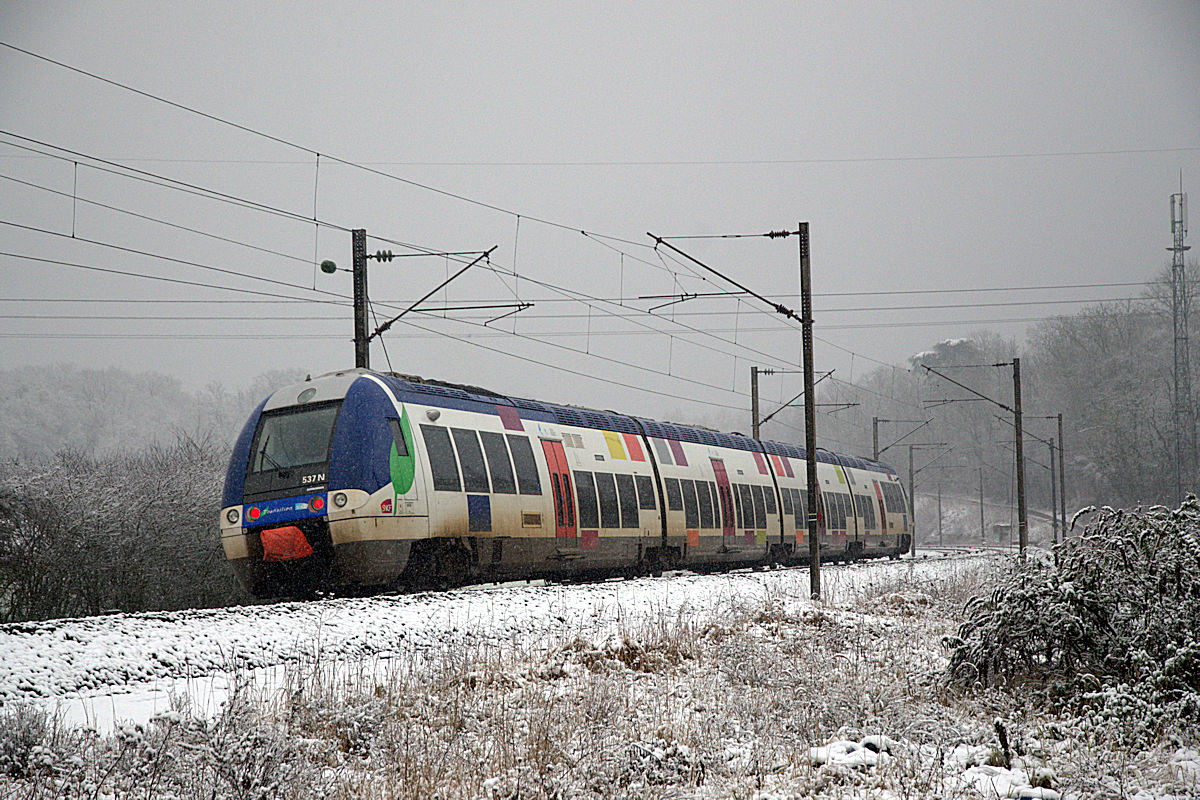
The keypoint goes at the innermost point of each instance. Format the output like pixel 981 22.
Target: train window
pixel 398 437
pixel 499 467
pixel 441 459
pixel 769 496
pixel 629 505
pixel 610 515
pixel 760 507
pixel 470 458
pixel 798 505
pixel 705 499
pixel 645 490
pixel 715 496
pixel 786 500
pixel 674 495
pixel 691 514
pixel 522 455
pixel 589 510
pixel 293 438
pixel 745 506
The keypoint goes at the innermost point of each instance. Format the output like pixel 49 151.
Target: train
pixel 365 481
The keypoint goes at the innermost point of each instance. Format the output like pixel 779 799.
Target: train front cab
pixel 321 490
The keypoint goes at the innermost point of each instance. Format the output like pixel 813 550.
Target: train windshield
pixel 293 437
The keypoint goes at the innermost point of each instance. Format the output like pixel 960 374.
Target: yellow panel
pixel 615 448
pixel 760 537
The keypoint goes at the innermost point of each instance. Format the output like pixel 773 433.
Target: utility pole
pixel 1022 519
pixel 912 502
pixel 982 530
pixel 810 412
pixel 1062 483
pixel 939 515
pixel 358 248
pixel 1053 496
pixel 359 256
pixel 810 402
pixel 874 438
pixel 1185 426
pixel 754 403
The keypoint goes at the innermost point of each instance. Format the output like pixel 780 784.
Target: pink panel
pixel 778 465
pixel 762 463
pixel 677 451
pixel 589 540
pixel 787 467
pixel 634 447
pixel 510 417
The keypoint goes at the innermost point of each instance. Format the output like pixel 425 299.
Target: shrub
pixel 1113 618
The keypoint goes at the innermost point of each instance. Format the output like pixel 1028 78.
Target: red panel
pixel 778 465
pixel 762 464
pixel 589 540
pixel 510 417
pixel 787 467
pixel 677 451
pixel 285 544
pixel 634 447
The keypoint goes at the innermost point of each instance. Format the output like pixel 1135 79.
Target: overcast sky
pixel 931 146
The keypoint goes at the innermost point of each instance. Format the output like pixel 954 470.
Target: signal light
pixel 316 504
pixel 340 499
pixel 232 516
pixel 254 513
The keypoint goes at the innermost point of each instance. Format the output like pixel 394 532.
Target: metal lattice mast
pixel 1185 427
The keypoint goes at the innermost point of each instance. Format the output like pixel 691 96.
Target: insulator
pixel 384 255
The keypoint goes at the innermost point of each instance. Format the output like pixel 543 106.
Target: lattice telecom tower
pixel 1185 425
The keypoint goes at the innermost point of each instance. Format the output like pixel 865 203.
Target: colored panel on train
pixel 285 509
pixel 615 449
pixel 362 441
pixel 761 463
pixel 479 513
pixel 510 417
pixel 589 539
pixel 403 468
pixel 677 451
pixel 778 465
pixel 285 544
pixel 634 447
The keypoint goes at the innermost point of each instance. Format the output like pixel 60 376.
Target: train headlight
pixel 340 499
pixel 232 516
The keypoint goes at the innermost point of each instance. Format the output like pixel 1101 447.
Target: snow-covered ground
pixel 125 667
pixel 706 685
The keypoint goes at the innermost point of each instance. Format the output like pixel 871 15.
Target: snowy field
pixel 685 686
pixel 125 667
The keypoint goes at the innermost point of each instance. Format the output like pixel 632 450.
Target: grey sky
pixel 926 143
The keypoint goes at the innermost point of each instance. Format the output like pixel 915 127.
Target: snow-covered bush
pixel 1112 620
pixel 132 531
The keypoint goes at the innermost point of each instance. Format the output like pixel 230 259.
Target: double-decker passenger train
pixel 360 480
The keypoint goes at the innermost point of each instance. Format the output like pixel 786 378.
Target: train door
pixel 560 482
pixel 725 495
pixel 883 528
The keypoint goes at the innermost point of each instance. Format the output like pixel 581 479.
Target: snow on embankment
pixel 106 655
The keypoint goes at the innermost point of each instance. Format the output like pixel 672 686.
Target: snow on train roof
pixel 475 398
